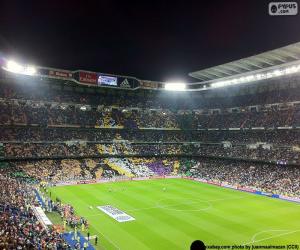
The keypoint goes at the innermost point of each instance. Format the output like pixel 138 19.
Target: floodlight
pixel 270 74
pixel 250 77
pixel 277 72
pixel 259 76
pixel 13 66
pixel 30 70
pixel 18 68
pixel 218 84
pixel 83 108
pixel 175 86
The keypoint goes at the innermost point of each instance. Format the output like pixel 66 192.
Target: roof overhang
pixel 271 59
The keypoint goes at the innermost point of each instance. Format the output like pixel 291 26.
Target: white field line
pixel 157 206
pixel 109 240
pixel 208 201
pixel 266 231
pixel 271 237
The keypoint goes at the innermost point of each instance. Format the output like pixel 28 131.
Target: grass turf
pixel 185 211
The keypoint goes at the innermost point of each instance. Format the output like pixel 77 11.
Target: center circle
pixel 184 204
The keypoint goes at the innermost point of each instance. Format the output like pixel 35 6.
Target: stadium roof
pixel 264 60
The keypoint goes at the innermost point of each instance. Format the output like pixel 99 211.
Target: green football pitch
pixel 171 213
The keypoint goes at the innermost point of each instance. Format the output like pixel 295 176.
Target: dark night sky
pixel 161 40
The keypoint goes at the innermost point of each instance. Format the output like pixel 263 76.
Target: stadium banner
pixel 86 182
pixel 266 194
pixel 42 217
pixel 87 77
pixel 121 179
pixel 197 179
pixel 63 74
pixel 246 189
pixel 117 81
pixel 66 183
pixel 157 177
pixel 172 176
pixel 115 213
pixel 139 178
pixel 284 197
pixel 127 82
pixel 107 80
pixel 104 180
pixel 275 196
pixel 228 186
pixel 149 84
pixel 214 183
pixel 190 178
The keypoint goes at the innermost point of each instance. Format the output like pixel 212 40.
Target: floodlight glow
pixel 270 74
pixel 30 70
pixel 14 67
pixel 294 69
pixel 277 73
pixel 250 78
pixel 17 68
pixel 175 86
pixel 258 76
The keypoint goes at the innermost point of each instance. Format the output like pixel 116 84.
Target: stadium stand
pixel 56 134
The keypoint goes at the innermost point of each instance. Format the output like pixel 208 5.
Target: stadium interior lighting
pixel 175 86
pixel 257 77
pixel 18 68
pixel 83 108
pixel 13 66
pixel 30 70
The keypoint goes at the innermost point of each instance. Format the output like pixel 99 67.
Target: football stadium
pixel 104 161
pixel 109 161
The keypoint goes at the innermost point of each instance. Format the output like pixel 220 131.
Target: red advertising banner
pixel 60 73
pixel 214 183
pixel 88 77
pixel 86 182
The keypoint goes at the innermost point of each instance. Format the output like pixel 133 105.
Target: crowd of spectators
pixel 263 152
pixel 270 118
pixel 147 99
pixel 59 171
pixel 35 134
pixel 284 180
pixel 19 227
pixel 280 179
pixel 29 150
pixel 45 114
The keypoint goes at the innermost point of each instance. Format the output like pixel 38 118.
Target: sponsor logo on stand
pixel 125 84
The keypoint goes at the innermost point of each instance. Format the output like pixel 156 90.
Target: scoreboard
pixel 91 78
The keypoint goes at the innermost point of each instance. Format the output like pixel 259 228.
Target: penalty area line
pixel 272 237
